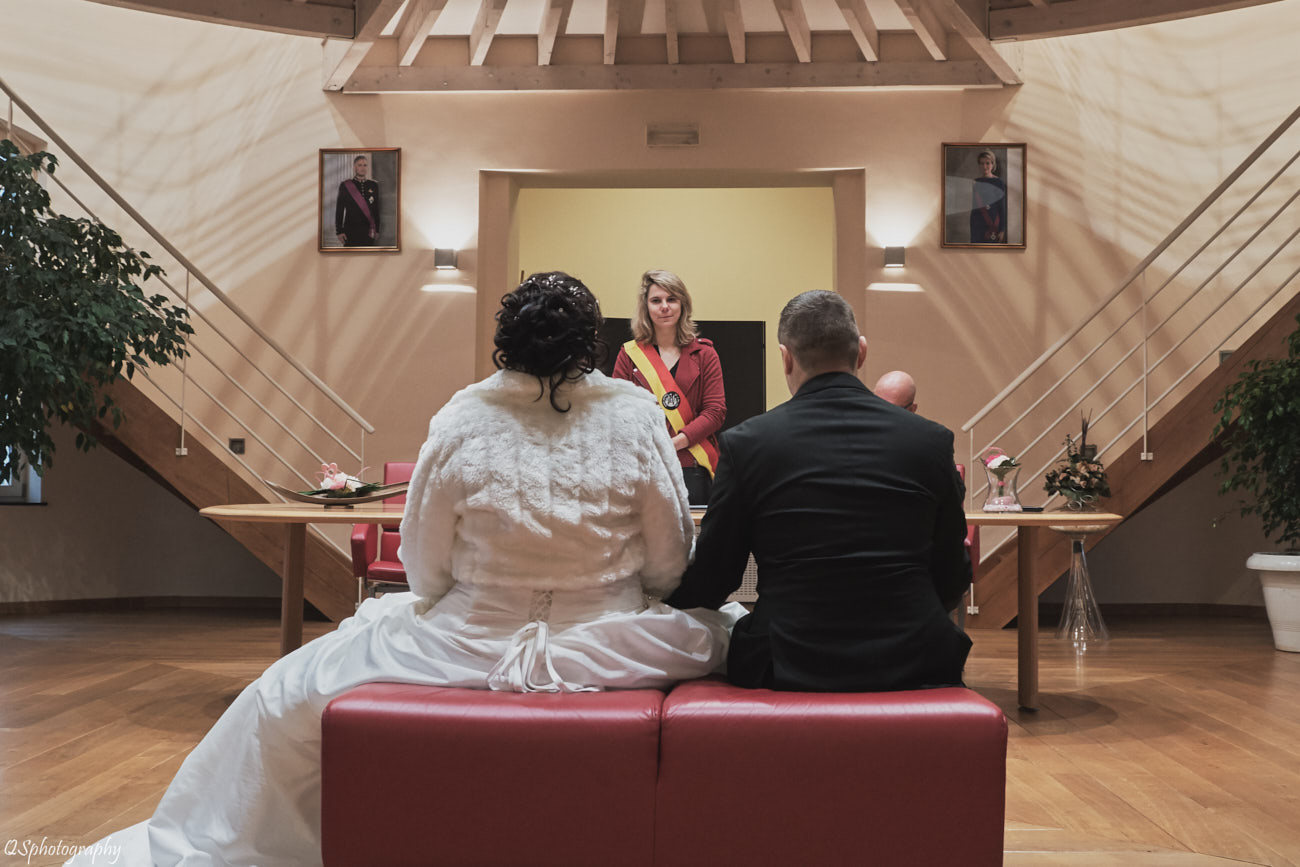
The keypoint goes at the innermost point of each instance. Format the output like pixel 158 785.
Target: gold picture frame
pixel 360 200
pixel 984 195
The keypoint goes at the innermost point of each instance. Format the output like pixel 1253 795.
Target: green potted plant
pixel 75 318
pixel 1259 426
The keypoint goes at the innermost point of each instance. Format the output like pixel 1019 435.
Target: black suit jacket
pixel 853 510
pixel 350 220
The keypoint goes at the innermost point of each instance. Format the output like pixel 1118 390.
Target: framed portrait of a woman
pixel 360 200
pixel 984 195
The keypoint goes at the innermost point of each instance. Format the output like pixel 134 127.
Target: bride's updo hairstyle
pixel 550 328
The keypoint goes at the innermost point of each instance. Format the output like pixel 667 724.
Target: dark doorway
pixel 742 348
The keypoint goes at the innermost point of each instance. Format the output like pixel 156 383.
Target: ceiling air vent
pixel 672 135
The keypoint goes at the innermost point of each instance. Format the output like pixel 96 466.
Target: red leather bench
pixel 710 774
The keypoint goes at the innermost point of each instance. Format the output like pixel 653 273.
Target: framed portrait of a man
pixel 360 200
pixel 984 195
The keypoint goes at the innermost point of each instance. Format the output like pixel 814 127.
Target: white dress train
pixel 249 794
pixel 534 542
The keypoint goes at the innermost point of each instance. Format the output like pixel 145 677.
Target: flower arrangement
pixel 1001 469
pixel 336 483
pixel 1079 477
pixel 999 462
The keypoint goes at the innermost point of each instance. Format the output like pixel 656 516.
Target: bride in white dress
pixel 546 516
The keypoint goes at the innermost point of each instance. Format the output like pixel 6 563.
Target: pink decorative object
pixel 1001 470
pixel 334 479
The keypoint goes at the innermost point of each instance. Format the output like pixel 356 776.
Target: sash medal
pixel 675 406
pixel 361 203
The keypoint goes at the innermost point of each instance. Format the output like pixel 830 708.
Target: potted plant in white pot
pixel 1259 426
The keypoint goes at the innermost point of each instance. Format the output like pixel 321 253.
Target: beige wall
pixel 213 134
pixel 108 531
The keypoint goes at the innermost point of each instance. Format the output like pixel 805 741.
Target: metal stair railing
pixel 1234 275
pixel 287 419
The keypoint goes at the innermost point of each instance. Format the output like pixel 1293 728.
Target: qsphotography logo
pixel 103 852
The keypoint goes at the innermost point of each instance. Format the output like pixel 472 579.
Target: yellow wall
pixel 741 252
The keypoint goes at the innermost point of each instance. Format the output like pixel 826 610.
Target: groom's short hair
pixel 819 329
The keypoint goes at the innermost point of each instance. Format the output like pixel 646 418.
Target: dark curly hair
pixel 549 327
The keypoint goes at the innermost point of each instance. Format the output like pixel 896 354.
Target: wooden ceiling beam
pixel 796 26
pixel 918 74
pixel 735 24
pixel 929 29
pixel 484 30
pixel 670 29
pixel 554 22
pixel 1089 16
pixel 279 16
pixel 864 31
pixel 414 29
pixel 969 30
pixel 342 58
pixel 612 9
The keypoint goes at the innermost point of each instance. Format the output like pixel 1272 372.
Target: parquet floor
pixel 1176 744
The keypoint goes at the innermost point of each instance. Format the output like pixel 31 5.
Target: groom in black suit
pixel 852 508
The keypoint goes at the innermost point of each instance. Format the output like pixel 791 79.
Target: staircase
pixel 1234 276
pixel 146 439
pixel 237 378
pixel 1182 440
pixel 1148 364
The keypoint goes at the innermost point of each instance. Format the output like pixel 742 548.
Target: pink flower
pixel 334 479
pixel 997 458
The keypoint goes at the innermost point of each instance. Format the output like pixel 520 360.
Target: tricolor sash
pixel 361 202
pixel 676 407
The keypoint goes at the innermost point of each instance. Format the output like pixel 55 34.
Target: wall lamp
pixel 895 256
pixel 444 260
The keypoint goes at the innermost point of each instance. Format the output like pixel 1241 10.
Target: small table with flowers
pixel 1028 527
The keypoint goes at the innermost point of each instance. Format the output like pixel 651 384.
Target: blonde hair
pixel 643 330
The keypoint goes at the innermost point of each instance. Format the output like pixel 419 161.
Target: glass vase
pixel 1081 622
pixel 1081 501
pixel 1002 489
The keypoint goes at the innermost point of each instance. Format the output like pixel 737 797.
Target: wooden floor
pixel 1176 744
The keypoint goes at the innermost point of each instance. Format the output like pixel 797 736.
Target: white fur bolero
pixel 509 492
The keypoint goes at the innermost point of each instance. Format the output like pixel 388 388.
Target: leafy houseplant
pixel 74 320
pixel 1259 426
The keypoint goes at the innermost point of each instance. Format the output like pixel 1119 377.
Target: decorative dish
pixel 342 497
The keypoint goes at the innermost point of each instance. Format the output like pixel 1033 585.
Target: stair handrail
pixel 1134 273
pixel 184 262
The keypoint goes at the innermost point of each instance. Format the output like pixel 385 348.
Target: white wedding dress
pixel 536 544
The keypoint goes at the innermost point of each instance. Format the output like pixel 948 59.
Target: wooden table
pixel 295 517
pixel 1030 525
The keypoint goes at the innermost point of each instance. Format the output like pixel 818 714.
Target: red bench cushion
pixel 757 777
pixel 497 778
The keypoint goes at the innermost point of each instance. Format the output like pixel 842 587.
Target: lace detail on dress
pixel 539 608
pixel 526 666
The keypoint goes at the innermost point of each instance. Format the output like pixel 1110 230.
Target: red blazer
pixel 699 376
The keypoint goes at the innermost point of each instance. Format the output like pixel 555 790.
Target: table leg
pixel 1026 619
pixel 295 549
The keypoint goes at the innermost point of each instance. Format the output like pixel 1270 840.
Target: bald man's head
pixel 898 388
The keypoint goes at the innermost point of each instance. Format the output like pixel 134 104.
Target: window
pixel 24 487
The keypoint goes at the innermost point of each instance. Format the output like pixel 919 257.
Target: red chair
pixel 374 546
pixel 972 548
